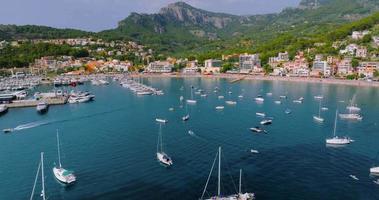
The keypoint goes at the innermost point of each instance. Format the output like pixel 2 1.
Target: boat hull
pixel 58 173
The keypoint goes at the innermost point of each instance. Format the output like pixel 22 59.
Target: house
pixel 344 67
pixel 321 67
pixel 376 40
pixel 159 67
pixel 249 63
pixel 349 50
pixel 358 35
pixel 211 66
pixel 191 67
pixel 368 68
pixel 361 52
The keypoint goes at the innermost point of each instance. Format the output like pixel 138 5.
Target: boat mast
pixel 160 133
pixel 59 152
pixel 239 188
pixel 43 179
pixel 335 124
pixel 219 171
pixel 35 180
pixel 319 109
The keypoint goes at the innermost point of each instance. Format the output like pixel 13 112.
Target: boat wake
pixel 32 125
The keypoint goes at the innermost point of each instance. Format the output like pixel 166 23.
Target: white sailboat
pixel 374 170
pixel 63 175
pixel 40 167
pixel 318 118
pixel 192 100
pixel 353 107
pixel 335 140
pixel 161 155
pixel 238 196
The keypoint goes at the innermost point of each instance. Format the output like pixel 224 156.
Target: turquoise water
pixel 111 143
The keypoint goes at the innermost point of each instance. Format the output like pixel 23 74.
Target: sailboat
pixel 318 118
pixel 338 140
pixel 191 101
pixel 40 167
pixel 353 107
pixel 375 170
pixel 161 155
pixel 187 116
pixel 62 175
pixel 239 196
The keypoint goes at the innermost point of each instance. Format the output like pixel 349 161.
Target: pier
pixel 237 79
pixel 33 103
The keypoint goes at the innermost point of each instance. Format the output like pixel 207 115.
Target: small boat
pixel 161 155
pixel 277 102
pixel 354 177
pixel 42 107
pixel 269 94
pixel 318 97
pixel 219 107
pixel 185 118
pixel 259 99
pixel 374 170
pixel 204 95
pixel 257 129
pixel 181 98
pixel 353 107
pixel 231 102
pixel 335 140
pixel 161 120
pixel 351 116
pixel 266 122
pixel 254 151
pixel 260 114
pixel 8 130
pixel 230 92
pixel 283 96
pixel 63 175
pixel 171 109
pixel 300 100
pixel 191 101
pixel 240 96
pixel 324 108
pixel 191 132
pixel 288 111
pixel 318 118
pixel 220 97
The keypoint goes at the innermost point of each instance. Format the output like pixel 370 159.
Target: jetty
pixel 32 103
pixel 237 79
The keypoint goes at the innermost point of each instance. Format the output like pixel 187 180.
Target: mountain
pixel 180 27
pixel 13 32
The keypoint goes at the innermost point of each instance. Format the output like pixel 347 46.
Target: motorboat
pixel 42 107
pixel 240 96
pixel 277 102
pixel 161 120
pixel 220 97
pixel 259 99
pixel 283 97
pixel 318 97
pixel 191 101
pixel 374 170
pixel 185 118
pixel 288 111
pixel 324 108
pixel 260 114
pixel 8 130
pixel 351 116
pixel 269 94
pixel 266 122
pixel 254 151
pixel 3 109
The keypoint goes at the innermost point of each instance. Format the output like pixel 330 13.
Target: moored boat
pixel 335 140
pixel 42 107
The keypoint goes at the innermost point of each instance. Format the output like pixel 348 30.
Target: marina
pixel 125 127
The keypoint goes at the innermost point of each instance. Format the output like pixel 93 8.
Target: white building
pixel 361 52
pixel 376 39
pixel 282 57
pixel 357 35
pixel 249 63
pixel 344 67
pixel 211 66
pixel 323 67
pixel 159 67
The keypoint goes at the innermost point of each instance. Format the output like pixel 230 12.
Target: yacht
pixel 63 175
pixel 374 170
pixel 260 114
pixel 192 100
pixel 3 109
pixel 351 116
pixel 161 120
pixel 42 107
pixel 266 122
pixel 231 102
pixel 238 196
pixel 161 155
pixel 335 140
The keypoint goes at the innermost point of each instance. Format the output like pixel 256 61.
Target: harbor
pixel 125 127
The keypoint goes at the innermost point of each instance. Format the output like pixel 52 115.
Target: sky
pixel 97 15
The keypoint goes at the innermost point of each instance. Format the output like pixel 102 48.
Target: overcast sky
pixel 96 15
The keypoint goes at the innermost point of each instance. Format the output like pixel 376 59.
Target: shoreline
pixel 357 83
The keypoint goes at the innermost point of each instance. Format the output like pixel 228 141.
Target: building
pixel 275 61
pixel 344 67
pixel 361 52
pixel 376 40
pixel 349 50
pixel 249 63
pixel 368 68
pixel 211 66
pixel 298 67
pixel 321 67
pixel 358 35
pixel 159 67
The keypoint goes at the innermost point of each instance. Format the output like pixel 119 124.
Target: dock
pixel 33 103
pixel 237 79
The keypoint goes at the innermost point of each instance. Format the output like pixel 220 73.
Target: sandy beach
pixel 269 78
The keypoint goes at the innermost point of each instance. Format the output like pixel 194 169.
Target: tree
pixel 354 63
pixel 226 67
pixel 376 73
